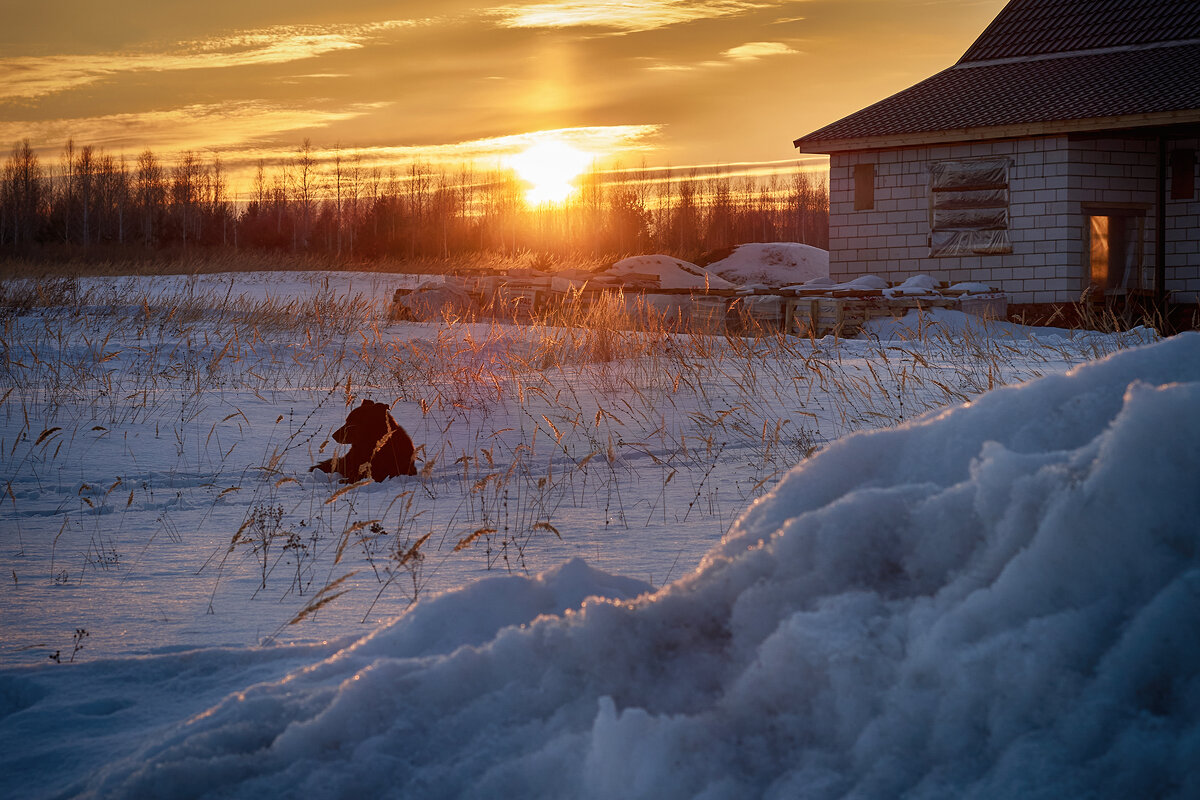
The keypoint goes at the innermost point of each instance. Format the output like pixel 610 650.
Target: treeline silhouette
pixel 329 204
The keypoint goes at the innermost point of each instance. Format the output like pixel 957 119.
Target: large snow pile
pixel 775 264
pixel 1001 599
pixel 669 272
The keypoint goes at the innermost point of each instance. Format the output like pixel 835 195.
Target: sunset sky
pixel 665 81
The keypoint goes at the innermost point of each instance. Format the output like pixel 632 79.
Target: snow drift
pixel 998 600
pixel 775 264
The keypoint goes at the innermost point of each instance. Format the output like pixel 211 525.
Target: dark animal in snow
pixel 379 447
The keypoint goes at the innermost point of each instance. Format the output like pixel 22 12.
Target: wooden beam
pixel 1023 131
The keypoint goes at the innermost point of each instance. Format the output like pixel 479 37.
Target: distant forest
pixel 328 205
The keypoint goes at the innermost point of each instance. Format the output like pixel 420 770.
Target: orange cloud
pixel 36 76
pixel 752 51
pixel 199 126
pixel 623 15
pixel 603 141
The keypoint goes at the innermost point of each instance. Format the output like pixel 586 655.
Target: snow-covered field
pixel 997 597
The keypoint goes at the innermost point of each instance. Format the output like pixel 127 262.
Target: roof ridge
pixel 1095 51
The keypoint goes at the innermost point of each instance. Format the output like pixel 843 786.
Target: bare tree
pixel 185 190
pixel 337 196
pixel 24 193
pixel 149 194
pixel 67 169
pixel 304 180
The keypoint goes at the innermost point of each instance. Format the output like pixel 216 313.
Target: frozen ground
pixel 998 598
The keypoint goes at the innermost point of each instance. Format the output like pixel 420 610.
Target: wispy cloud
pixel 601 141
pixel 201 126
pixel 751 51
pixel 623 15
pixel 236 133
pixel 605 143
pixel 36 76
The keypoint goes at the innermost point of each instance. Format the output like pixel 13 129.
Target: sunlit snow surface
pixel 1001 599
pixel 773 264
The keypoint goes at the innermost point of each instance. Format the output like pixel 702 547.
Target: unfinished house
pixel 1055 160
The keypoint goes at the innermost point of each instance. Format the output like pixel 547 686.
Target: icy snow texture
pixel 916 285
pixel 865 282
pixel 972 287
pixel 776 264
pixel 998 600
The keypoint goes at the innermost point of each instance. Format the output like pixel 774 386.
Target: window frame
pixel 1134 272
pixel 962 190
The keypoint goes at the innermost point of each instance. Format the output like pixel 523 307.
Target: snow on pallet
pixel 699 302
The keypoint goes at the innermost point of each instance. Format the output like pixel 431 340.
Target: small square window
pixel 864 187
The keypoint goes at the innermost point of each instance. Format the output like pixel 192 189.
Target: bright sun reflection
pixel 549 167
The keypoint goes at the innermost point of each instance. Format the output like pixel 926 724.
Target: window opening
pixel 1183 175
pixel 864 187
pixel 1115 251
pixel 969 208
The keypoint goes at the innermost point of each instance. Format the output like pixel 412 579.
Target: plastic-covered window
pixel 969 214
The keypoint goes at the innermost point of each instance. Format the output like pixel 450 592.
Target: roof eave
pixel 808 144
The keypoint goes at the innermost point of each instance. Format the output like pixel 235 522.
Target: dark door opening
pixel 1115 251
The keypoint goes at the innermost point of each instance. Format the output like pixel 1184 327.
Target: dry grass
pixel 609 407
pixel 99 261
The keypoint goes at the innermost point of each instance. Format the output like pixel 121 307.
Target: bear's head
pixel 366 424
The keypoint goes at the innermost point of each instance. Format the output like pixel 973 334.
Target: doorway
pixel 1114 248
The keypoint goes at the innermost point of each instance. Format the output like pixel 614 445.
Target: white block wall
pixel 1183 238
pixel 1050 181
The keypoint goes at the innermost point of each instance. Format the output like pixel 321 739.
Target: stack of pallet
pixel 845 315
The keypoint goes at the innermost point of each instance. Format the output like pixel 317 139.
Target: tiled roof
pixel 1110 84
pixel 1037 27
pixel 1049 61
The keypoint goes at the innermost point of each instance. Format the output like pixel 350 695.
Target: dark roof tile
pixel 1038 27
pixel 1079 87
pixel 1046 61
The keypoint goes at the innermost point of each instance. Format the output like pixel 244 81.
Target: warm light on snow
pixel 998 600
pixel 550 167
pixel 994 598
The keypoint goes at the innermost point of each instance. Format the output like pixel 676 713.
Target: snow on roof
pixel 995 600
pixel 775 264
pixel 670 273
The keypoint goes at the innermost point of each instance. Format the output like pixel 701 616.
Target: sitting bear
pixel 379 447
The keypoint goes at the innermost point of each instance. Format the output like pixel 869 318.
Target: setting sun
pixel 549 167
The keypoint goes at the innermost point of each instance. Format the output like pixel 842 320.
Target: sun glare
pixel 549 167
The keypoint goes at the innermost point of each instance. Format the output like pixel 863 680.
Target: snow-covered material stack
pixel 916 286
pixel 432 301
pixel 998 600
pixel 773 265
pixel 663 272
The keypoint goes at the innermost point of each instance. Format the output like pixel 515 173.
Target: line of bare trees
pixel 330 204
